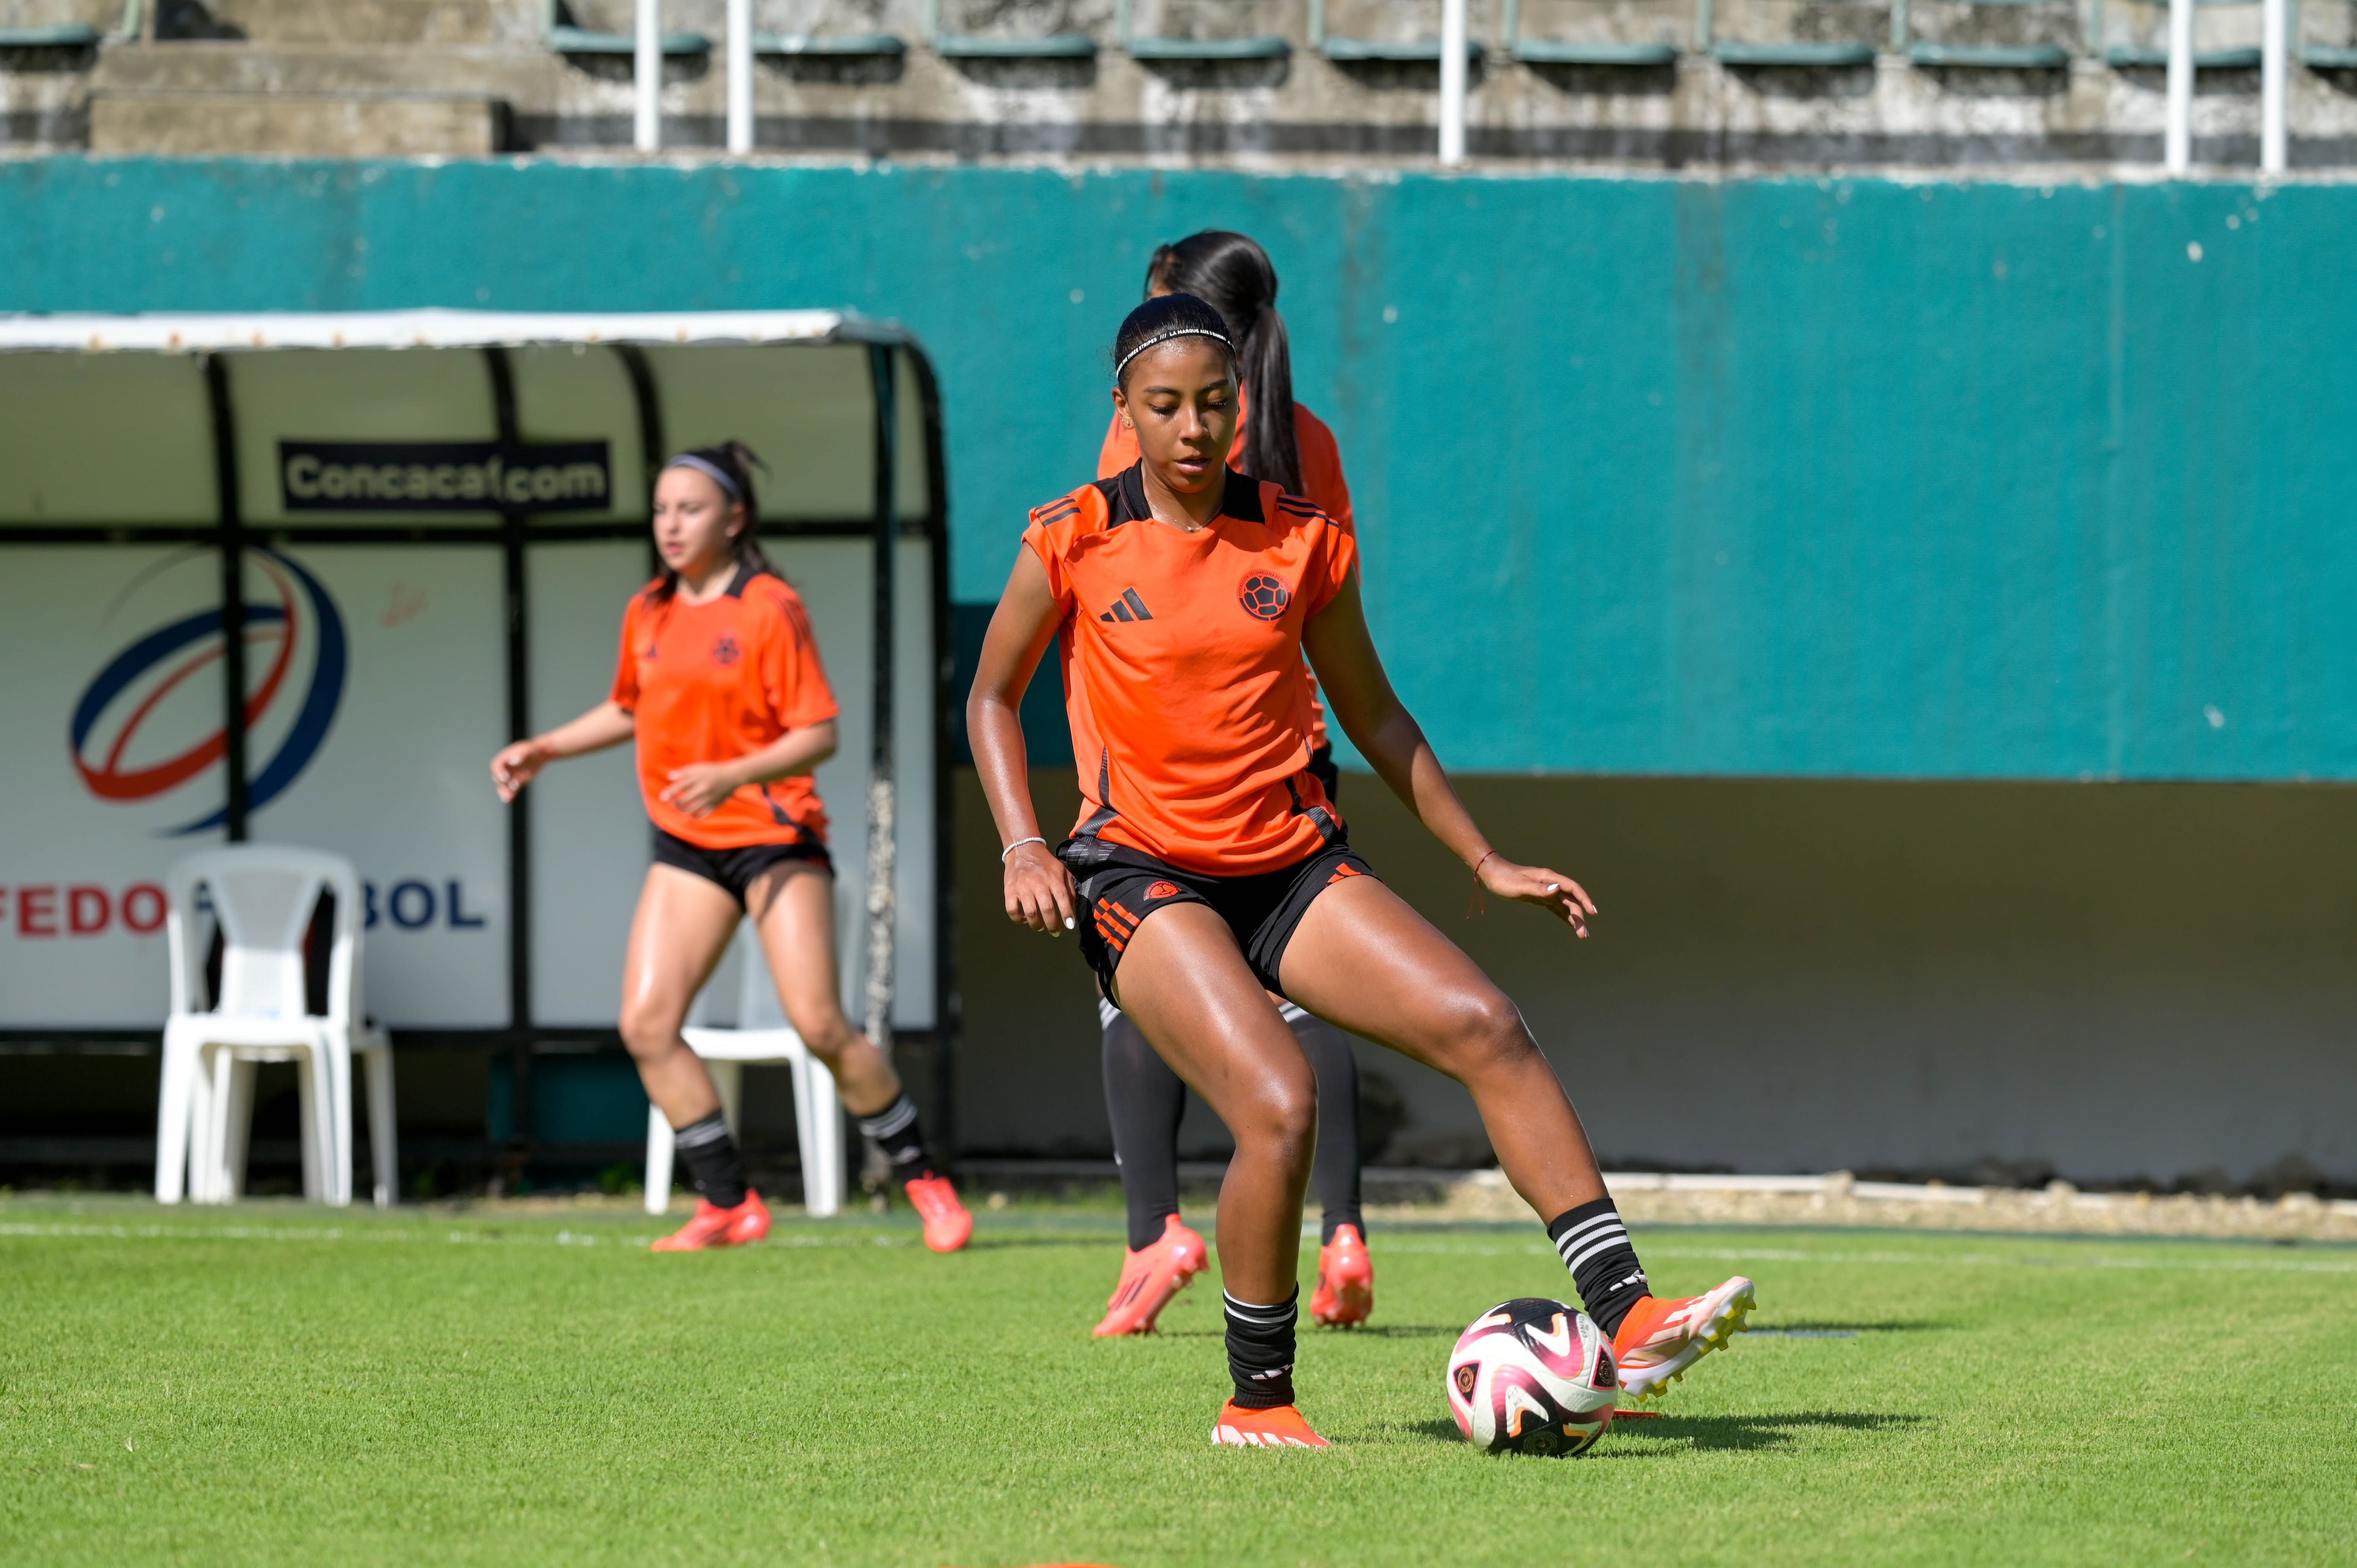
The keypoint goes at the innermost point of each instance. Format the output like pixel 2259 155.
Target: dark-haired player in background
pixel 1278 439
pixel 1209 867
pixel 721 685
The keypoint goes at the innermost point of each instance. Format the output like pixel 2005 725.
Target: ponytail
pixel 1235 275
pixel 729 466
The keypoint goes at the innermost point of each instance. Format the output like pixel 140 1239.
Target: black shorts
pixel 1119 887
pixel 734 869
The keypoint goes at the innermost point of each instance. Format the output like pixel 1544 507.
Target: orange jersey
pixel 1182 669
pixel 1321 483
pixel 714 682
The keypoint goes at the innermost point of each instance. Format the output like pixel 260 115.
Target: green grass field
pixel 282 1384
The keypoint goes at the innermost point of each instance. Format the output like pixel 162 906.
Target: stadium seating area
pixel 1738 84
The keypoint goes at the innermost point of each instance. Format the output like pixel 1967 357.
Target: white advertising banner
pixel 398 777
pixel 375 694
pixel 376 673
pixel 111 768
pixel 590 841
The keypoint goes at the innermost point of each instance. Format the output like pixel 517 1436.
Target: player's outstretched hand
pixel 1038 890
pixel 1551 890
pixel 516 766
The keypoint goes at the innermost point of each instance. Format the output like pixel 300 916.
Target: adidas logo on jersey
pixel 1129 607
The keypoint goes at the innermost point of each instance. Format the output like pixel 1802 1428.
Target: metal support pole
pixel 232 599
pixel 2178 140
pixel 1452 82
pixel 2273 142
pixel 740 75
pixel 882 803
pixel 646 78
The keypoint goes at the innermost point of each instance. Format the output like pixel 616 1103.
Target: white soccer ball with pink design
pixel 1533 1376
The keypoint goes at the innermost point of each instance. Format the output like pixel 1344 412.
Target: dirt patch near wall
pixel 1837 1199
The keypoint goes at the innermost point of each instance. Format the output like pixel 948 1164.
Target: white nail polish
pixel 1068 924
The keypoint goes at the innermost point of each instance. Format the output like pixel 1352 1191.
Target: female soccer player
pixel 1208 868
pixel 721 686
pixel 1278 439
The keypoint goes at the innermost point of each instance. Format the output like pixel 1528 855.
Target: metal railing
pixel 2176 139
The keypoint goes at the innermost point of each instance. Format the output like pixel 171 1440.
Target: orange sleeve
pixel 1048 545
pixel 1119 449
pixel 625 695
pixel 792 674
pixel 1330 565
pixel 1321 466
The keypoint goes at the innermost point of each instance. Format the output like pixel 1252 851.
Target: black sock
pixel 1145 1100
pixel 895 1133
pixel 1596 1248
pixel 1334 1172
pixel 1260 1350
pixel 712 1161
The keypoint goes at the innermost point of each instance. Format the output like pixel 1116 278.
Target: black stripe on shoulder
pixel 1298 506
pixel 1241 500
pixel 1125 495
pixel 1055 511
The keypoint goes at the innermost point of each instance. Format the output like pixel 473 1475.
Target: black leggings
pixel 1146 1100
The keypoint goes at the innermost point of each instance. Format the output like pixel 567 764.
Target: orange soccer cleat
pixel 1660 1340
pixel 1150 1277
pixel 1346 1281
pixel 713 1225
pixel 947 1221
pixel 1283 1427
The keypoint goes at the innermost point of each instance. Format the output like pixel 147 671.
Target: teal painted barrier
pixel 1797 477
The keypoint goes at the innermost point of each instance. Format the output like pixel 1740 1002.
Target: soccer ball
pixel 1533 1376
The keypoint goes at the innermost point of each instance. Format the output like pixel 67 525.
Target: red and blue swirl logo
pixel 297 652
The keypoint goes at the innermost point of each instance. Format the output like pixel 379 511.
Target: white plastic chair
pixel 764 1037
pixel 264 895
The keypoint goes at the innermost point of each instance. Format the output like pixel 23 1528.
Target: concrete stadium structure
pixel 2060 86
pixel 1919 610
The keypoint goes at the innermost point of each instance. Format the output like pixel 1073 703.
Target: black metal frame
pixel 523 1038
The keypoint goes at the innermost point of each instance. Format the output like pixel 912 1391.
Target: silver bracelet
pixel 1018 843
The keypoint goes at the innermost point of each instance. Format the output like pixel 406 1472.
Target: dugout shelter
pixel 294 578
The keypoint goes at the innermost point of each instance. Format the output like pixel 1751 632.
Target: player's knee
pixel 649 1030
pixel 1488 1034
pixel 1283 1121
pixel 825 1031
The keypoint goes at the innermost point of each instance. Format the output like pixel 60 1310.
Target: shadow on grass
pixel 1811 1329
pixel 1753 1432
pixel 1377 1331
pixel 1710 1432
pixel 1002 1243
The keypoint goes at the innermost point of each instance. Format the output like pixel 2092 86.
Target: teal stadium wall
pixel 1825 478
pixel 1797 490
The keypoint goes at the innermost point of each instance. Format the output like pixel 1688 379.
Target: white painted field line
pixel 1919 1259
pixel 60 1230
pixel 2015 1260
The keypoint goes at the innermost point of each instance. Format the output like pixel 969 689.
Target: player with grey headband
pixel 1277 438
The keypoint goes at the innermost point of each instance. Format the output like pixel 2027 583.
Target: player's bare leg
pixel 682 929
pixel 1185 983
pixel 677 939
pixel 1362 960
pixel 1365 961
pixel 792 906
